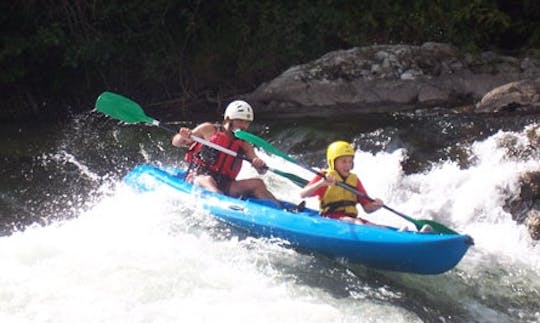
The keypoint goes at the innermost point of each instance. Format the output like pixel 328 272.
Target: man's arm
pixel 183 137
pixel 258 163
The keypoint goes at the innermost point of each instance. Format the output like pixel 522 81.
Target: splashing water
pixel 121 256
pixel 144 258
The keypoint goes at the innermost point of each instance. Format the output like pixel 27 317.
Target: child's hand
pixel 329 180
pixel 377 204
pixel 373 205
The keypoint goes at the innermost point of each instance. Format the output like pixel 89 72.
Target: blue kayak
pixel 372 246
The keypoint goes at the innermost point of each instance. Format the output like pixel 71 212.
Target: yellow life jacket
pixel 337 199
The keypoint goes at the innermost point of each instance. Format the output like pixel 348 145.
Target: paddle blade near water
pixel 437 227
pixel 121 108
pixel 419 223
pixel 292 177
pixel 259 142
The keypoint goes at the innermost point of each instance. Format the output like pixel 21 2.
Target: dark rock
pixel 525 207
pixel 522 95
pixel 533 224
pixel 533 135
pixel 387 78
pixel 520 206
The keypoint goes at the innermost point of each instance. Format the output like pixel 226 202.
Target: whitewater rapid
pixel 151 257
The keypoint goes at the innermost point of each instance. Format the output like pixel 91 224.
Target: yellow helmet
pixel 338 149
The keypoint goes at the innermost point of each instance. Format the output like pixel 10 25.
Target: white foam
pixel 140 258
pixel 155 258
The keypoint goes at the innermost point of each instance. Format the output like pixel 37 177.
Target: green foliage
pixel 185 48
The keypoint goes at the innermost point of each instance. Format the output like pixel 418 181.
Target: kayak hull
pixel 376 247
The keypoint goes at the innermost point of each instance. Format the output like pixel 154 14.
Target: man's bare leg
pixel 252 186
pixel 207 182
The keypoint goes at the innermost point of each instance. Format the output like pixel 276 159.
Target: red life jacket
pixel 214 160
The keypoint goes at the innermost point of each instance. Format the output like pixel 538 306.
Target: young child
pixel 335 201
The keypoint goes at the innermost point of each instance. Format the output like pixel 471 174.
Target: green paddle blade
pixel 259 142
pixel 419 223
pixel 437 227
pixel 292 177
pixel 121 108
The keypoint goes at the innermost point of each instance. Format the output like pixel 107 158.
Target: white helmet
pixel 239 110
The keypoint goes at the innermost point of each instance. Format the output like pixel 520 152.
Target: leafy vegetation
pixel 60 54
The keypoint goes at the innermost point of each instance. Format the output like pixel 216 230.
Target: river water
pixel 77 245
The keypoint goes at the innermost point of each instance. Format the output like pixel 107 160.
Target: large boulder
pixel 525 207
pixel 385 78
pixel 533 224
pixel 521 95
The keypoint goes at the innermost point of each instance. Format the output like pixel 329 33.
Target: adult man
pixel 216 171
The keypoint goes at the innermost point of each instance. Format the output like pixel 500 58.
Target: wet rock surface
pixel 387 78
pixel 525 208
pixel 520 95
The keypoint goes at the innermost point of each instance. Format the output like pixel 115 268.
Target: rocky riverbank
pixel 387 78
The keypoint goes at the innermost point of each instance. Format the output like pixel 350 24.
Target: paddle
pixel 128 111
pixel 257 141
